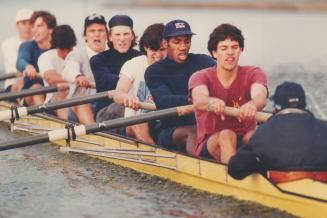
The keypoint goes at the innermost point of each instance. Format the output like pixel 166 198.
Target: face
pixel 121 38
pixel 227 54
pixel 156 55
pixel 96 37
pixel 24 28
pixel 178 48
pixel 40 30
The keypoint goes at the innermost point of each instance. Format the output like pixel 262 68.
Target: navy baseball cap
pixel 120 20
pixel 94 18
pixel 289 95
pixel 177 28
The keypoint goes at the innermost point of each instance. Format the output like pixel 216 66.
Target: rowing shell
pixel 305 198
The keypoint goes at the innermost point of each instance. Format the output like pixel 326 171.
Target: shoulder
pixel 201 60
pixel 251 70
pixel 104 55
pixel 203 76
pixel 157 67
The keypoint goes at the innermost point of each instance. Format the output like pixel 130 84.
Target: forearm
pixel 259 96
pixel 52 77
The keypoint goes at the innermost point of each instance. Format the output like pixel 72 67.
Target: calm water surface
pixel 39 181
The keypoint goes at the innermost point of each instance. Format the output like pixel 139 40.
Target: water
pixel 39 181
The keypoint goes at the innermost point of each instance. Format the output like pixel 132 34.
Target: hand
pixel 131 102
pixel 30 72
pixel 217 106
pixel 247 111
pixel 82 81
pixel 62 86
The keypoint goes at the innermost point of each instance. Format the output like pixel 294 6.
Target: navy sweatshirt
pixel 168 84
pixel 105 68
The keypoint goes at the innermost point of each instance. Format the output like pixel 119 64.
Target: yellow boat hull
pixel 304 198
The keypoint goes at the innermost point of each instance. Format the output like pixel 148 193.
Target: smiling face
pixel 156 55
pixel 227 54
pixel 178 48
pixel 40 30
pixel 121 38
pixel 96 37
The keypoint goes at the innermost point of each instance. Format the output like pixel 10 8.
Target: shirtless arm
pixel 122 96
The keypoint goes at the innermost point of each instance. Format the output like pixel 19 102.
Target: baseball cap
pixel 289 95
pixel 120 20
pixel 177 28
pixel 24 14
pixel 94 18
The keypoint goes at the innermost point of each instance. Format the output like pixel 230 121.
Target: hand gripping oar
pixel 9 76
pixel 23 111
pixel 75 131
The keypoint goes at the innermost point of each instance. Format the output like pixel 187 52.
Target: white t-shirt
pixel 134 69
pixel 9 49
pixel 50 60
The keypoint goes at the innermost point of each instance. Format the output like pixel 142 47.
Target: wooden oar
pixel 81 130
pixel 9 76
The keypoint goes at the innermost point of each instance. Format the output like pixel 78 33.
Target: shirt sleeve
pixel 259 76
pixel 45 63
pixel 24 56
pixel 128 70
pixel 104 78
pixel 72 66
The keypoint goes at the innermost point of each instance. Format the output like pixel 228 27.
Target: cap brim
pixel 181 33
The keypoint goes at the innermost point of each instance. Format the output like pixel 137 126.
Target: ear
pixel 214 54
pixel 165 43
pixel 109 36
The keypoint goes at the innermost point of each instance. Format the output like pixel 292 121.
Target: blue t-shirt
pixel 28 53
pixel 106 68
pixel 168 84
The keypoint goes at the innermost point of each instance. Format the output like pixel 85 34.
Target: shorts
pixel 165 137
pixel 204 150
pixel 29 82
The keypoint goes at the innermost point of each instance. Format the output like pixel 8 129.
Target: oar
pixel 28 92
pixel 81 130
pixel 23 111
pixel 9 76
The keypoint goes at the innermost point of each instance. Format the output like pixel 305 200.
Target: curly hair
pixel 47 17
pixel 63 37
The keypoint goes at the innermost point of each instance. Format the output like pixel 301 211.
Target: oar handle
pixel 235 112
pixel 9 76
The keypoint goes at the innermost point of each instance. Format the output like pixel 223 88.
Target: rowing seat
pixel 282 176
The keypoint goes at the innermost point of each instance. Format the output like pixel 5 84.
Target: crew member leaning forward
pixel 226 84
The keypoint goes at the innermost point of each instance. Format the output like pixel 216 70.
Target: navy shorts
pixel 205 153
pixel 165 137
pixel 29 82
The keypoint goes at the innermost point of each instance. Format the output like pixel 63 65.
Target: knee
pixel 227 135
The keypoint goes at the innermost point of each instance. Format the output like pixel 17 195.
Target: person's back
pixel 291 140
pixel 11 45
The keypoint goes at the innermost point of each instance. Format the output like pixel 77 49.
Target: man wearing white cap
pixel 10 47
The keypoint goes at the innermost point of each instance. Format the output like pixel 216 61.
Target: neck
pixel 226 77
pixel 44 44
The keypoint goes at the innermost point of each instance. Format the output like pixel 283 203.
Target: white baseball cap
pixel 24 14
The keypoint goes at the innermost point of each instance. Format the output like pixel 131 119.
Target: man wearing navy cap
pixel 167 80
pixel 106 65
pixel 291 144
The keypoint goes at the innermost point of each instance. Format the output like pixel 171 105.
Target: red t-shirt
pixel 234 96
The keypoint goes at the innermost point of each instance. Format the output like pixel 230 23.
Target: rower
pixel 291 144
pixel 106 65
pixel 131 87
pixel 167 81
pixel 10 47
pixel 77 65
pixel 43 23
pixel 52 62
pixel 226 84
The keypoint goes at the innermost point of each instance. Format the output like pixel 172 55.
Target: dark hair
pixel 63 36
pixel 222 32
pixel 132 44
pixel 47 17
pixel 152 37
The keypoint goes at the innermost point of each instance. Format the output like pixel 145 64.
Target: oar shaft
pixel 28 92
pixel 67 103
pixel 25 141
pixel 8 76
